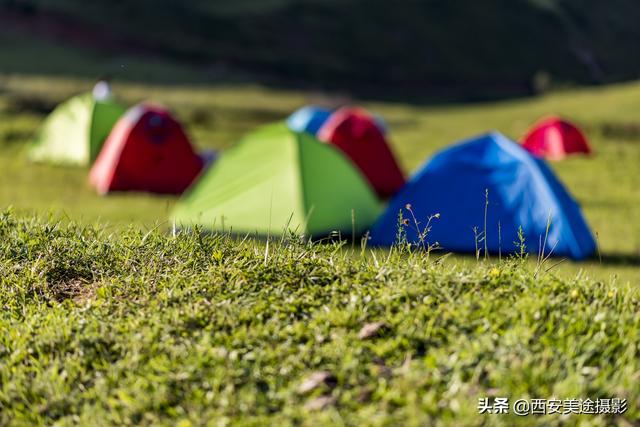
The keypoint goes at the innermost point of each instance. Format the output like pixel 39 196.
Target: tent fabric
pixel 381 123
pixel 75 131
pixel 554 139
pixel 146 151
pixel 356 133
pixel 276 180
pixel 308 119
pixel 488 172
pixel 208 157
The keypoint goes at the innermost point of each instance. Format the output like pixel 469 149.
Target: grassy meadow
pixel 144 328
pixel 606 184
pixel 109 319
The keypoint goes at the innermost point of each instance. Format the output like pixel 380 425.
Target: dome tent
pixel 555 139
pixel 356 133
pixel 522 192
pixel 74 132
pixel 276 180
pixel 146 151
pixel 308 119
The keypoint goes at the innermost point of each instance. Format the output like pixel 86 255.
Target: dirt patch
pixel 77 290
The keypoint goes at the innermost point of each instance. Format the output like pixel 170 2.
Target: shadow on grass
pixel 619 259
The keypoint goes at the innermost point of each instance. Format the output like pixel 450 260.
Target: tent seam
pixel 301 180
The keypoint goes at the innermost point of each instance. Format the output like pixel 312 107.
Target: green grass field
pixel 109 319
pixel 606 185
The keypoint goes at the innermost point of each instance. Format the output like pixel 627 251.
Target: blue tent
pixel 381 123
pixel 308 119
pixel 521 192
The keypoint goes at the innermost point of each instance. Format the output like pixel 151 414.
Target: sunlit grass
pixel 606 185
pixel 144 327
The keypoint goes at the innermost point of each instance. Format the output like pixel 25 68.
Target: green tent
pixel 277 179
pixel 74 132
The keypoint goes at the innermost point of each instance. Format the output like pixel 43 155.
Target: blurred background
pixel 437 71
pixel 423 49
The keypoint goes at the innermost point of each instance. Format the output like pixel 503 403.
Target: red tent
pixel 555 139
pixel 356 133
pixel 147 150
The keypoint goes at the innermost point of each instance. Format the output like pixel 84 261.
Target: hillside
pixel 152 329
pixel 463 48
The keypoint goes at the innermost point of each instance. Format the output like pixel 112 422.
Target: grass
pixel 109 319
pixel 148 328
pixel 217 116
pixel 29 53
